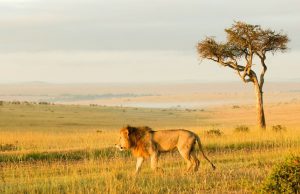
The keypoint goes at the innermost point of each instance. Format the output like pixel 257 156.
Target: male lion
pixel 144 142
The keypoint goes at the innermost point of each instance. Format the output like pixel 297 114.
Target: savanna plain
pixel 69 148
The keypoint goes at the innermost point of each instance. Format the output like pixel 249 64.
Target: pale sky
pixel 79 41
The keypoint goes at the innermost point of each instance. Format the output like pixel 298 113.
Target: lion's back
pixel 170 139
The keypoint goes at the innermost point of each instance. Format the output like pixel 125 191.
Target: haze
pixel 133 40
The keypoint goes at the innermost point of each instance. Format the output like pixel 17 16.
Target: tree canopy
pixel 243 40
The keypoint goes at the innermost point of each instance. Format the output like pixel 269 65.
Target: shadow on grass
pixel 70 155
pixel 109 153
pixel 249 146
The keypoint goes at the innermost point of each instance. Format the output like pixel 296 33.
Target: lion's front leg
pixel 139 163
pixel 154 162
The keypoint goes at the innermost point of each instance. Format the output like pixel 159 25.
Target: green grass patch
pixel 248 146
pixel 70 155
pixel 108 153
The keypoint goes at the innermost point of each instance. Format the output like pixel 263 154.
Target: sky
pixel 124 41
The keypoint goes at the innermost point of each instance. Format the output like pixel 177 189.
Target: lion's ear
pixel 126 132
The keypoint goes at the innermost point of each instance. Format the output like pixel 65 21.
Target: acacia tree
pixel 244 43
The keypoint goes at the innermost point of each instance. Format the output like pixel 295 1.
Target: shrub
pixel 278 128
pixel 242 128
pixel 235 106
pixel 214 132
pixel 44 103
pixel 284 178
pixel 8 147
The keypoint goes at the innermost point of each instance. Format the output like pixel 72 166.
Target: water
pixel 179 105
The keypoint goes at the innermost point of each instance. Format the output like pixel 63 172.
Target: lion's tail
pixel 201 149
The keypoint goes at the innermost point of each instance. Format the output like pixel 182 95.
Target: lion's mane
pixel 140 139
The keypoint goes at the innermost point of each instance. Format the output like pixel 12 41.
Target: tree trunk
pixel 260 107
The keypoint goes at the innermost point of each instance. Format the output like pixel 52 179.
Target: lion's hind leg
pixel 195 160
pixel 185 153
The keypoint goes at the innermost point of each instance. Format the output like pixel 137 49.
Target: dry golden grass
pixel 243 160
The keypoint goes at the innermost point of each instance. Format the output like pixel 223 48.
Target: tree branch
pixel 262 74
pixel 238 68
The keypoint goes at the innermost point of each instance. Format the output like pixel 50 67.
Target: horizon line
pixel 296 80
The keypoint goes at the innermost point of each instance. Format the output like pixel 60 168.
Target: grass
pixel 66 155
pixel 75 117
pixel 69 149
pixel 236 172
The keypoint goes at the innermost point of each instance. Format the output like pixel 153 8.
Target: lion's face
pixel 124 142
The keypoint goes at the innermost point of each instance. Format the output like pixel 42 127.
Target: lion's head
pixel 130 136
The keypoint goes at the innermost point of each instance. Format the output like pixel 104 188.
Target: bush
pixel 284 178
pixel 214 132
pixel 8 147
pixel 278 128
pixel 44 103
pixel 242 128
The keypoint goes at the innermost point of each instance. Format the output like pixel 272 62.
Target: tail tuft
pixel 213 166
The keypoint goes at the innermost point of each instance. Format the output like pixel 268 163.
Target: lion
pixel 145 142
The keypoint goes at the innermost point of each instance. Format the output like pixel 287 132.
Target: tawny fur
pixel 144 142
